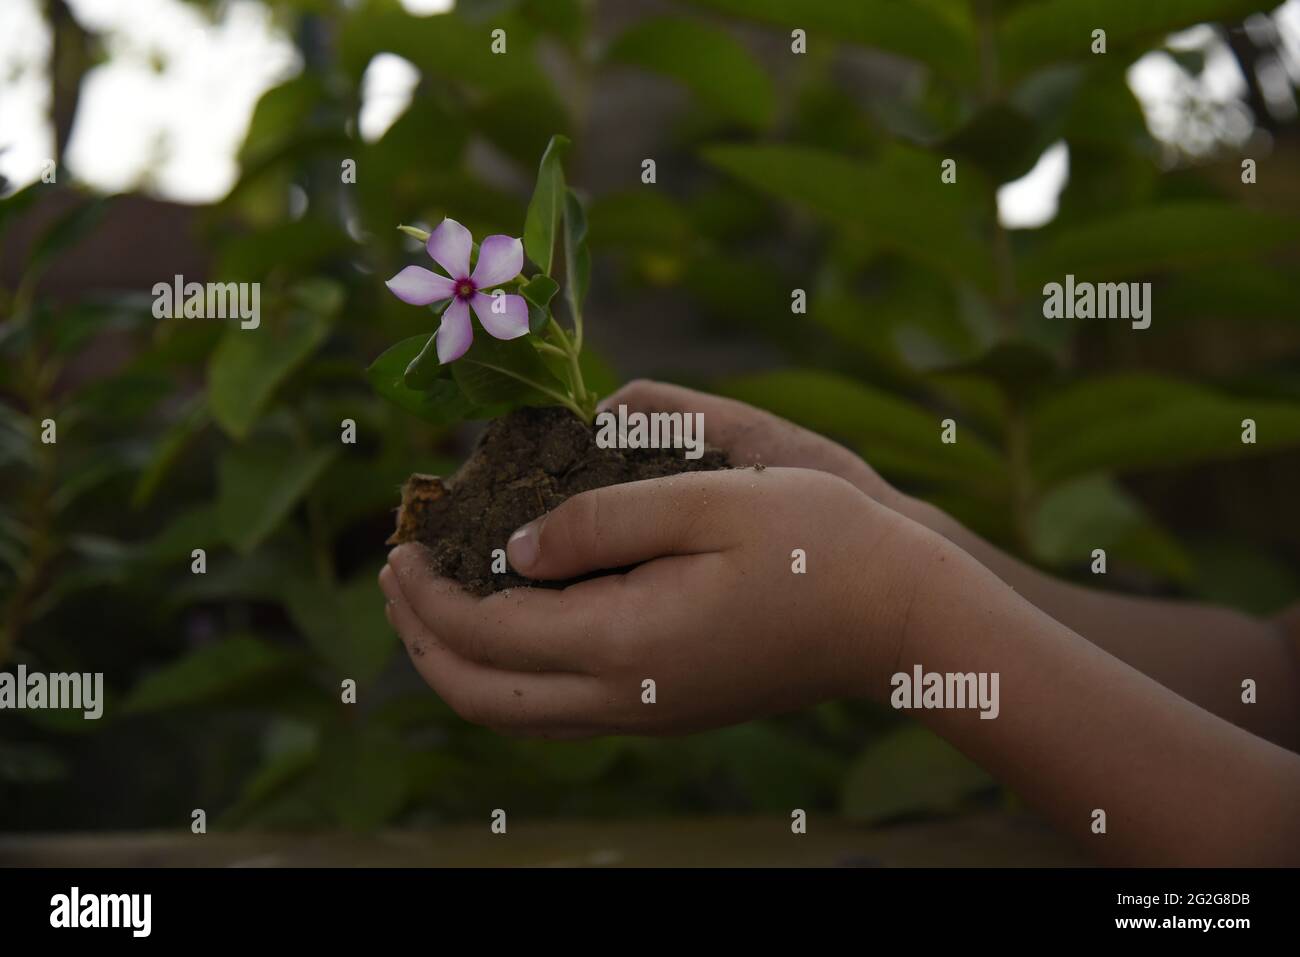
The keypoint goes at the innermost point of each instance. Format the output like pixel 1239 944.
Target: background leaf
pixel 207 674
pixel 899 201
pixel 911 29
pixel 249 364
pixel 908 772
pixel 1039 33
pixel 1139 241
pixel 345 624
pixel 1123 423
pixel 258 485
pixel 897 437
pixel 712 65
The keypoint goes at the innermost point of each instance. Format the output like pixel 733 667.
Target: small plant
pixel 527 356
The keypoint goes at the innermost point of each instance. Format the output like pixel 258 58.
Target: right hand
pixel 751 436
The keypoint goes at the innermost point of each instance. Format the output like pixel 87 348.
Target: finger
pixel 622 525
pixel 747 434
pixel 724 418
pixel 520 629
pixel 526 703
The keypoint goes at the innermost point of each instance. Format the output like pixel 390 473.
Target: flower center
pixel 464 289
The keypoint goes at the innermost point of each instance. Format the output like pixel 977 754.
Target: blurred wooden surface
pixel 985 839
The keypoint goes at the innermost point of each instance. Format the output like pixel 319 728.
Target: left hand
pixel 714 614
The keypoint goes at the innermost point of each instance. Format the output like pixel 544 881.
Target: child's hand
pixel 751 435
pixel 715 616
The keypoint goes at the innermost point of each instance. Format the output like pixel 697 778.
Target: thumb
pixel 622 525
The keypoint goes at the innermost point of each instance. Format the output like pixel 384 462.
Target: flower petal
pixel 510 323
pixel 455 334
pixel 500 259
pixel 449 245
pixel 419 286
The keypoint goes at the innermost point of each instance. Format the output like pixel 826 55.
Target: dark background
pixel 775 171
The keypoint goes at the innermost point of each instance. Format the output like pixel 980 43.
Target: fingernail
pixel 523 547
pixel 603 405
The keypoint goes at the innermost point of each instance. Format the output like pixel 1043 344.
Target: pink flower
pixel 500 259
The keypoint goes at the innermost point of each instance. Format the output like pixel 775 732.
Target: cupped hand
pixel 715 624
pixel 752 436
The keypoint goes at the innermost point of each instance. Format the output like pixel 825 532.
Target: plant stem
pixel 576 384
pixel 567 401
pixel 551 349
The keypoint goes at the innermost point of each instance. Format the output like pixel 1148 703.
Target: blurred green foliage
pixel 225 686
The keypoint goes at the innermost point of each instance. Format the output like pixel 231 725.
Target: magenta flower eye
pixel 500 259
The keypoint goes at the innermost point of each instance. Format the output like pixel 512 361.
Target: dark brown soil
pixel 526 464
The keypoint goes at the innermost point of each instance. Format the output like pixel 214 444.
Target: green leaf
pixel 279 115
pixel 1241 292
pixel 519 122
pixel 207 675
pixel 363 776
pixel 191 422
pixel 249 364
pixel 1001 139
pixel 773 768
pixel 890 433
pixel 319 295
pixel 716 69
pixel 898 201
pixel 540 290
pixel 344 624
pixel 439 402
pixel 1020 368
pixel 1051 31
pixel 538 319
pixel 492 371
pixel 197 527
pixel 425 369
pixel 910 771
pixel 258 486
pixel 1132 422
pixel 546 209
pixel 577 257
pixel 639 218
pixel 15 205
pixel 448 47
pixel 280 772
pixel 573 763
pixel 598 374
pixel 1095 512
pixel 302 245
pixel 944 42
pixel 1140 241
